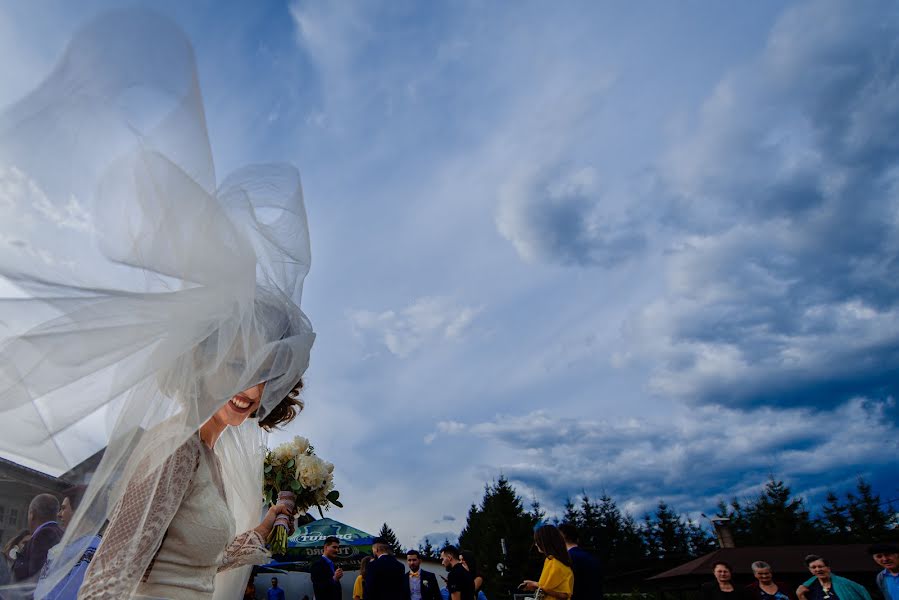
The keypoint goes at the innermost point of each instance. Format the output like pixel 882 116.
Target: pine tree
pixel 427 551
pixel 834 519
pixel 867 517
pixel 537 513
pixel 773 518
pixel 390 537
pixel 667 535
pixel 501 519
pixel 571 515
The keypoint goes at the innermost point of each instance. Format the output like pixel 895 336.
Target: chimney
pixel 722 531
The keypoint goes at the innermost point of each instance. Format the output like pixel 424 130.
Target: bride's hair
pixel 286 410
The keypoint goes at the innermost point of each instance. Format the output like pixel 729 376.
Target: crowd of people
pixel 569 572
pixel 822 585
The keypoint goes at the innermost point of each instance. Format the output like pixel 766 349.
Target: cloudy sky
pixel 647 249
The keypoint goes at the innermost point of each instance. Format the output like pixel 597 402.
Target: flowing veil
pixel 138 294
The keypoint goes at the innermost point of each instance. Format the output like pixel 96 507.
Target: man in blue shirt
pixel 274 592
pixel 585 566
pixel 887 556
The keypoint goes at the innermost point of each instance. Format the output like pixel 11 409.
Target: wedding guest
pixel 422 584
pixel 887 556
pixel 722 588
pixel 359 585
pixel 556 579
pixel 584 565
pixel 274 592
pixel 459 582
pixel 385 576
pixel 471 564
pixel 82 548
pixel 764 587
pixel 325 574
pixel 827 586
pixel 15 545
pixel 45 533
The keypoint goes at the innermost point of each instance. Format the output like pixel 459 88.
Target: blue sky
pixel 648 250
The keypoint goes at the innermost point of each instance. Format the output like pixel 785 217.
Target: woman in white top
pixel 147 307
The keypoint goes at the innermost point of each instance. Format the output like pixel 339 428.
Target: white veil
pixel 134 291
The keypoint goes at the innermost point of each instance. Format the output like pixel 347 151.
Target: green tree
pixel 667 535
pixel 427 551
pixel 501 522
pixel 773 518
pixel 537 513
pixel 571 514
pixel 604 530
pixel 834 520
pixel 390 537
pixel 868 517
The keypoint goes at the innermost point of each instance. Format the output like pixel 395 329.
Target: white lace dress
pixel 188 535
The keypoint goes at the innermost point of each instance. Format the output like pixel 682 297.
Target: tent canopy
pixel 305 545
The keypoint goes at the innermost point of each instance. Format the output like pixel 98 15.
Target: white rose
pixel 301 444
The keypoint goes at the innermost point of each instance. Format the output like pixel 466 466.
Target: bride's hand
pixel 268 521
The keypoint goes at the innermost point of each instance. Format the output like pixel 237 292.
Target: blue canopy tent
pixel 305 546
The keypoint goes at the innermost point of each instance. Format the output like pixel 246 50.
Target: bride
pixel 149 308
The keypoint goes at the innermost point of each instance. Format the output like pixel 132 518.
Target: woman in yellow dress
pixel 357 586
pixel 557 579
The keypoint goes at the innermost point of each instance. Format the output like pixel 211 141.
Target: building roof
pixel 843 558
pixel 28 471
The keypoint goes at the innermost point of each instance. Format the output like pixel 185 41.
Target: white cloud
pixel 427 320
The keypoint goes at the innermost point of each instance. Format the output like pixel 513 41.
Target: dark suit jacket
pixel 323 585
pixel 385 579
pixel 32 558
pixel 430 589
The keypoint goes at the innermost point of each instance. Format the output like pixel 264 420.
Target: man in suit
pixel 45 533
pixel 325 574
pixel 422 584
pixel 385 576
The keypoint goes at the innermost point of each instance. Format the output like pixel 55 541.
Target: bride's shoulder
pixel 168 440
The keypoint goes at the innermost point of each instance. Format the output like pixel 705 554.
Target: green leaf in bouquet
pixel 332 496
pixel 336 503
pixel 268 469
pixel 295 485
pixel 290 464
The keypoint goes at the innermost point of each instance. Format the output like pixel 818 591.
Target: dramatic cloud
pixel 692 458
pixel 558 219
pixel 426 319
pixel 782 270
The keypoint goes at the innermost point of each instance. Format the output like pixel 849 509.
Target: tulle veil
pixel 137 291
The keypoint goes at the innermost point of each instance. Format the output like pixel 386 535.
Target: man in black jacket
pixel 422 584
pixel 385 576
pixel 45 533
pixel 325 574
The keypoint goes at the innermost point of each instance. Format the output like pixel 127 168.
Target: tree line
pixel 499 530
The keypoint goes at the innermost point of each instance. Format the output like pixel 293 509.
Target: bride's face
pixel 241 406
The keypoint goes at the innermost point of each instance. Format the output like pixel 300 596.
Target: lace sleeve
pixel 138 524
pixel 248 548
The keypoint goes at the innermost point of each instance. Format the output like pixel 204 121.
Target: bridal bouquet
pixel 296 478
